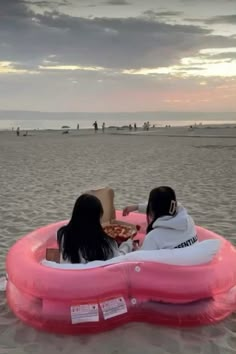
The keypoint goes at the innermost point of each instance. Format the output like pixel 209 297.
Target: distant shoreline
pixel 222 131
pixel 121 129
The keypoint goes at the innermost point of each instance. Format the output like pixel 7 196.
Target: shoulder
pixel 151 240
pixel 152 234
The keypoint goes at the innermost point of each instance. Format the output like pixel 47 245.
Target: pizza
pixel 120 232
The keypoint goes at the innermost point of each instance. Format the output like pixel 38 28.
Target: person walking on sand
pixel 103 127
pixel 95 124
pixel 135 127
pixel 18 131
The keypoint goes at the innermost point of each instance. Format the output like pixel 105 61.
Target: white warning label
pixel 84 313
pixel 114 307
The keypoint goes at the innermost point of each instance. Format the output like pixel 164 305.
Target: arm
pixel 135 207
pixel 142 207
pixel 125 247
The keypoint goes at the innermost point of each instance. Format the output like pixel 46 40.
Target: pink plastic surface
pixel 152 292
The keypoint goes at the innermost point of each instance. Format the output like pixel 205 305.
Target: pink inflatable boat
pixel 182 287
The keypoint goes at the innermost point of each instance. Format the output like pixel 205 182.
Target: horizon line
pixel 113 112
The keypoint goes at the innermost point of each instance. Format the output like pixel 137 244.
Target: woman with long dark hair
pixel 83 239
pixel 169 224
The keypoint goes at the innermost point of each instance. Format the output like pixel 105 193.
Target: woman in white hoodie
pixel 169 225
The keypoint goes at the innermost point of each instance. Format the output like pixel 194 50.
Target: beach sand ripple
pixel 42 175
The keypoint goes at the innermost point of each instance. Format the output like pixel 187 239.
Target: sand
pixel 41 176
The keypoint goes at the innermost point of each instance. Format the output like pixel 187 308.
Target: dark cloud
pixel 12 7
pixel 197 20
pixel 227 56
pixel 230 56
pixel 28 39
pixel 224 19
pixel 209 1
pixel 117 2
pixel 43 3
pixel 151 13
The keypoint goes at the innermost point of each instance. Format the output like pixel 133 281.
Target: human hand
pixel 136 245
pixel 129 209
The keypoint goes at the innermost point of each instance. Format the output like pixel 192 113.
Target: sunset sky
pixel 118 55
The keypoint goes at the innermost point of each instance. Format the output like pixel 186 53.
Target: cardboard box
pixel 53 255
pixel 107 196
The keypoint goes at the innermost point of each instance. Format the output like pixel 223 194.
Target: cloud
pixel 85 60
pixel 230 56
pixel 10 68
pixel 52 92
pixel 45 3
pixel 207 68
pixel 70 68
pixel 53 41
pixel 156 14
pixel 117 2
pixel 115 43
pixel 42 3
pixel 224 19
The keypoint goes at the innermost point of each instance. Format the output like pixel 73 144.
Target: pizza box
pixel 53 255
pixel 107 196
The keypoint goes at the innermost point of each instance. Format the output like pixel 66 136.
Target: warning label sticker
pixel 84 313
pixel 114 307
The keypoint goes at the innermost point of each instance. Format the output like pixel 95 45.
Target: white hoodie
pixel 170 231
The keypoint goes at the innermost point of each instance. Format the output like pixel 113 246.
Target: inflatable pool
pixel 186 287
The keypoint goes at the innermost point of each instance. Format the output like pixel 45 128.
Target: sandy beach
pixel 42 175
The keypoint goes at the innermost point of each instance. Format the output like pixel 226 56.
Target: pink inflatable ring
pixel 74 299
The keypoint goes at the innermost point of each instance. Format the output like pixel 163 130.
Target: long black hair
pixel 84 236
pixel 162 202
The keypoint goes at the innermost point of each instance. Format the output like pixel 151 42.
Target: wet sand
pixel 42 175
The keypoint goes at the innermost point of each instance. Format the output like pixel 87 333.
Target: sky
pixel 118 55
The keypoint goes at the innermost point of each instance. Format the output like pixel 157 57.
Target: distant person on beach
pixel 169 224
pixel 103 127
pixel 18 131
pixel 146 126
pixel 83 239
pixel 135 127
pixel 130 127
pixel 95 124
pixel 77 126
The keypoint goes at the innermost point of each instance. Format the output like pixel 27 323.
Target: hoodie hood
pixel 181 221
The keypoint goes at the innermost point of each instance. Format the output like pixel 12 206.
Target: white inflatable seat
pixel 197 254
